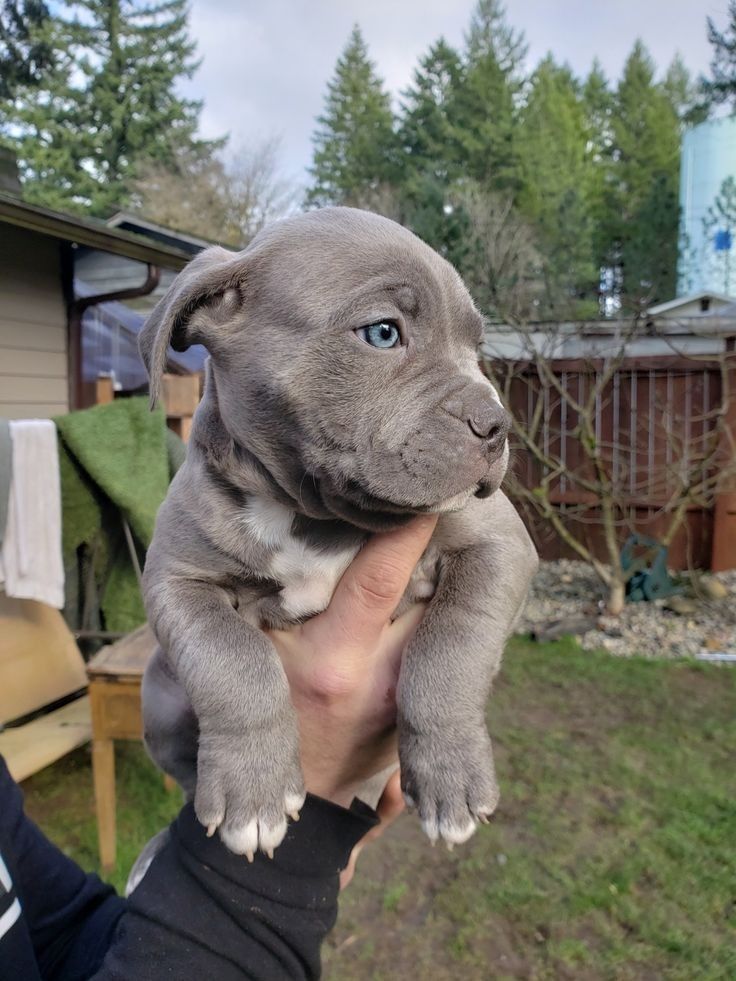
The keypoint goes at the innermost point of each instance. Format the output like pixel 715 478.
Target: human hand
pixel 343 667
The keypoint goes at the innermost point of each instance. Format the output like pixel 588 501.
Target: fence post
pixel 723 554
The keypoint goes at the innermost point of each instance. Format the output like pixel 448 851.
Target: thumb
pixel 373 584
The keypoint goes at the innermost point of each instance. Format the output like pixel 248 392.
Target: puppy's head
pixel 343 356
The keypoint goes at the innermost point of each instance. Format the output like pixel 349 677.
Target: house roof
pixel 681 301
pixel 92 233
pixel 126 221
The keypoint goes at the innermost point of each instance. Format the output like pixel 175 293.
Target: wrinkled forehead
pixel 334 272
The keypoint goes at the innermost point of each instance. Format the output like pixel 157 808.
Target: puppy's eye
pixel 384 334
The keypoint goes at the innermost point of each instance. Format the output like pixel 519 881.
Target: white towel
pixel 31 565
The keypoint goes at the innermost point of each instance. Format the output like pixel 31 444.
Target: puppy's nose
pixel 490 421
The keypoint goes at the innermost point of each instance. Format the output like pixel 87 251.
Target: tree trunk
pixel 616 597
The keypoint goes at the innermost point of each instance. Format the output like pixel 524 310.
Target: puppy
pixel 342 396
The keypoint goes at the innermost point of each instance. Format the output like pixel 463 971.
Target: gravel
pixel 570 591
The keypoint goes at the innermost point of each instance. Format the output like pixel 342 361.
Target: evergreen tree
pixel 685 95
pixel 107 103
pixel 24 50
pixel 489 32
pixel 721 86
pixel 555 165
pixel 355 148
pixel 485 104
pixel 643 183
pixel 598 101
pixel 430 163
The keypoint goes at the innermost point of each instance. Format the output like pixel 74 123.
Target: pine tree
pixel 430 163
pixel 643 181
pixel 598 102
pixel 685 94
pixel 485 104
pixel 24 51
pixel 107 103
pixel 555 165
pixel 355 148
pixel 721 86
pixel 489 31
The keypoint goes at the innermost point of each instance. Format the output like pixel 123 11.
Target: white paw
pixel 260 833
pixel 449 831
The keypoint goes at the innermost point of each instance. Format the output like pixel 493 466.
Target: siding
pixel 34 374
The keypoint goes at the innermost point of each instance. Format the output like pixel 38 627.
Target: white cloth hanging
pixel 31 564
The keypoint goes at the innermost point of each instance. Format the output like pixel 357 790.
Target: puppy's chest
pixel 304 569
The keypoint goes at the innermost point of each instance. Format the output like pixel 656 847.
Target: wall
pixel 34 374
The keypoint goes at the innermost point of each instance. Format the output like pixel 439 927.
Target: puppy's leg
pixel 170 730
pixel 447 769
pixel 248 774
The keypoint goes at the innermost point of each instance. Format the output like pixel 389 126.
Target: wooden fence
pixel 657 420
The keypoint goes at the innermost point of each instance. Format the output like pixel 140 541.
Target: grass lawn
pixel 613 854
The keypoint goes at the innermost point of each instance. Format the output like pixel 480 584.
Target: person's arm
pixel 203 912
pixel 56 922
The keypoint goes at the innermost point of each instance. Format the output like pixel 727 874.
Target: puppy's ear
pixel 206 294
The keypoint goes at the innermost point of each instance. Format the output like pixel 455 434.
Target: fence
pixel 658 421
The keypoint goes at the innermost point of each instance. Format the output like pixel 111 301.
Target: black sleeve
pixel 202 912
pixel 65 918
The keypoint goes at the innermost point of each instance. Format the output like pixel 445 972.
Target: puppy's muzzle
pixel 491 423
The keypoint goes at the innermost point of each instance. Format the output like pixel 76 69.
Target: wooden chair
pixel 40 666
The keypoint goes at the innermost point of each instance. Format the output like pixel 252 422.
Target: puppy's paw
pixel 248 784
pixel 449 781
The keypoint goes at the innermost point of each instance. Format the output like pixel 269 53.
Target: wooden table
pixel 115 675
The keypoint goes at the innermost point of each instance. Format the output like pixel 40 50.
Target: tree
pixel 355 147
pixel 642 214
pixel 489 32
pixel 721 86
pixel 24 49
pixel 502 265
pixel 107 103
pixel 223 199
pixel 430 163
pixel 484 107
pixel 555 163
pixel 598 101
pixel 684 93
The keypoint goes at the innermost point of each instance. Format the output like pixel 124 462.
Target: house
pixel 58 333
pixel 685 307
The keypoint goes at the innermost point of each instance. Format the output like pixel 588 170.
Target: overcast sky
pixel 266 63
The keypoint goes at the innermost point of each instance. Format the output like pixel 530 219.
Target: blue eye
pixel 383 335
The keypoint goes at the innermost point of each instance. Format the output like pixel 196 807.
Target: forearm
pixel 201 911
pixel 65 917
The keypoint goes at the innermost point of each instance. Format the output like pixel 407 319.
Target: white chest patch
pixel 308 574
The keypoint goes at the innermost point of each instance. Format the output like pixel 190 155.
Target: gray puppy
pixel 343 396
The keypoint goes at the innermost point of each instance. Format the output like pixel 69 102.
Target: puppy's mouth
pixel 361 497
pixel 484 489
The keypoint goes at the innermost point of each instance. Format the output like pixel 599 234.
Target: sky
pixel 266 63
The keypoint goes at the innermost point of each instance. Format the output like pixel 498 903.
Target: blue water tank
pixel 707 241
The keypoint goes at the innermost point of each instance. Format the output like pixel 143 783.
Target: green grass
pixel 613 854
